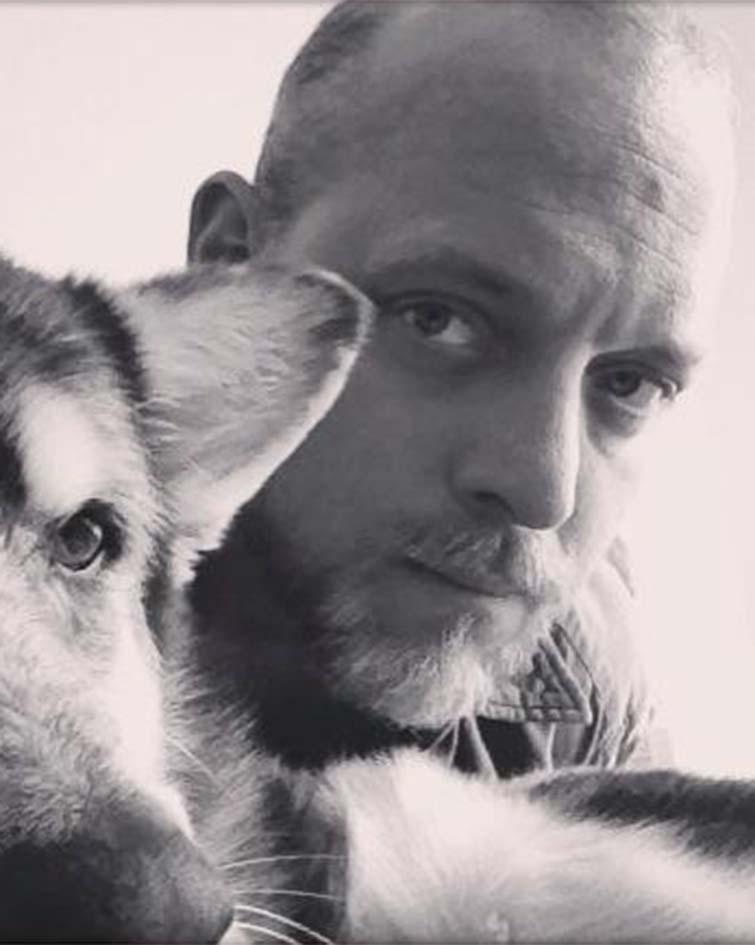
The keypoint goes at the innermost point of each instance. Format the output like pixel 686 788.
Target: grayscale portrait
pixel 375 472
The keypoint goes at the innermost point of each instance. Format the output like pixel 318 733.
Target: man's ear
pixel 226 220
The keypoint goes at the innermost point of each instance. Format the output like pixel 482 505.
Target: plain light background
pixel 112 114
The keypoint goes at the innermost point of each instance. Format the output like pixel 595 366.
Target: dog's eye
pixel 79 541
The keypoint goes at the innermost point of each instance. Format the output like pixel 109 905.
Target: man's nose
pixel 521 459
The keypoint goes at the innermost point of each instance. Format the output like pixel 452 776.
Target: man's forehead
pixel 563 105
pixel 557 77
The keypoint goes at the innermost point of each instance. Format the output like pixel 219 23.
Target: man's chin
pixel 434 667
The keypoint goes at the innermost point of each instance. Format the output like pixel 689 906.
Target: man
pixel 536 197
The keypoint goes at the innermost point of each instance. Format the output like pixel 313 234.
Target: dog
pixel 132 427
pixel 133 806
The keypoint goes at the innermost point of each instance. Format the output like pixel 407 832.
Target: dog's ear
pixel 242 362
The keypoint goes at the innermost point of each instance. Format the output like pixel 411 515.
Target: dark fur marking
pixel 108 326
pixel 157 592
pixel 716 817
pixel 12 485
pixel 340 330
pixel 55 356
pixel 343 326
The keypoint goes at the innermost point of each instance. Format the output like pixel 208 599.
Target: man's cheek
pixel 602 504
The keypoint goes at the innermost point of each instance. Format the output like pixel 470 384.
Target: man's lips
pixel 471 580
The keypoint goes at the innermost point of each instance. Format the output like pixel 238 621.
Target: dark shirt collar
pixel 308 728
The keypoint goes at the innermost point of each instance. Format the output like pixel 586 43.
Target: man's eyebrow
pixel 676 357
pixel 448 260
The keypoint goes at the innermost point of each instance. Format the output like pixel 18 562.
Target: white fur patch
pixel 131 697
pixel 436 856
pixel 63 457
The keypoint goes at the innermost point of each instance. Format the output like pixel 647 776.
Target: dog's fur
pixel 132 806
pixel 578 856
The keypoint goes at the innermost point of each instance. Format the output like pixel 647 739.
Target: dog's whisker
pixel 200 765
pixel 284 920
pixel 283 857
pixel 302 893
pixel 278 936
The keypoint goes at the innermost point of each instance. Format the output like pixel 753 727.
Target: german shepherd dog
pixel 132 426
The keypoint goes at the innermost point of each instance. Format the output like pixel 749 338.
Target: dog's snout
pixel 135 879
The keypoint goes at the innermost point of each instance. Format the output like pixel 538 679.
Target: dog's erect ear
pixel 242 362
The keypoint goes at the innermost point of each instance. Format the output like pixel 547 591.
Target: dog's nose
pixel 128 878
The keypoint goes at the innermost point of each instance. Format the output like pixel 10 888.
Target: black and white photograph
pixel 377 472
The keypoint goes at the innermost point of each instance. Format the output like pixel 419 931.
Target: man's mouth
pixel 468 578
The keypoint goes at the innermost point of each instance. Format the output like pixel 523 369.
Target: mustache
pixel 503 561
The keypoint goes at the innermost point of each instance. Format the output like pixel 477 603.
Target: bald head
pixel 349 86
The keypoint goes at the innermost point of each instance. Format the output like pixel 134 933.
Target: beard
pixel 422 681
pixel 417 666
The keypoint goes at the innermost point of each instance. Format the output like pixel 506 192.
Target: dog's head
pixel 131 429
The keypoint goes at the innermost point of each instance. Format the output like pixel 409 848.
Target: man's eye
pixel 633 392
pixel 633 389
pixel 441 322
